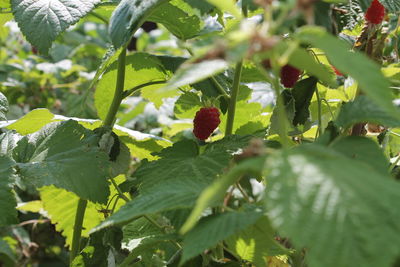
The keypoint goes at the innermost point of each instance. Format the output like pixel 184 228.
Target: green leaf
pixel 190 73
pixel 362 109
pixel 303 60
pixel 41 21
pixel 3 107
pixel 302 94
pixel 5 4
pixel 320 198
pixel 256 242
pixel 215 228
pixel 187 105
pixel 61 209
pixel 174 181
pixel 8 141
pixel 66 155
pixel 7 256
pixel 7 200
pixel 128 17
pixel 141 68
pixel 245 112
pixel 179 18
pixel 392 6
pixel 366 72
pixel 228 6
pixel 363 149
pixel 32 121
pixel 215 192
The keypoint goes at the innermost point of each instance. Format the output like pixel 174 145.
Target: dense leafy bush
pixel 100 165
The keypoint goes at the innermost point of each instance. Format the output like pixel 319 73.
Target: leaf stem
pixel 76 238
pixel 134 89
pixel 232 101
pixel 120 193
pixel 319 130
pixel 219 87
pixel 119 90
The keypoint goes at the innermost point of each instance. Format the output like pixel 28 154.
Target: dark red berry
pixel 375 13
pixel 205 122
pixel 289 76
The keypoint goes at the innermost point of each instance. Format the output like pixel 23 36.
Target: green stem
pixel 319 130
pixel 76 238
pixel 119 90
pixel 232 101
pixel 109 121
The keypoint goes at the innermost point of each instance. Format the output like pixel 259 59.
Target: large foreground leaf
pixel 321 199
pixel 7 199
pixel 41 21
pixel 66 155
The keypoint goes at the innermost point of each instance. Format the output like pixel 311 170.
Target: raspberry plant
pixel 308 179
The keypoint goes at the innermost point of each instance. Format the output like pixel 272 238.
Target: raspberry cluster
pixel 205 122
pixel 289 76
pixel 375 13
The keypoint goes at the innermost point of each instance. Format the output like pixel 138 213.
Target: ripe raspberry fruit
pixel 205 122
pixel 375 13
pixel 289 75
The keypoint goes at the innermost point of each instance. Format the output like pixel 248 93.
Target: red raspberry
pixel 289 75
pixel 205 122
pixel 375 13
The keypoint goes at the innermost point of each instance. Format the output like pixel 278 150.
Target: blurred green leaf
pixel 7 256
pixel 318 204
pixel 190 73
pixel 363 149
